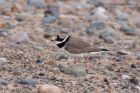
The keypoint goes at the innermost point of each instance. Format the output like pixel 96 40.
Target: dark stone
pixel 133 66
pixel 30 82
pixel 73 70
pixel 134 81
pixel 3 82
pixel 38 61
pixel 107 82
pixel 125 87
pixel 41 74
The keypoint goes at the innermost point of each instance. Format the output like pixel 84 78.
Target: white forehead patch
pixel 59 42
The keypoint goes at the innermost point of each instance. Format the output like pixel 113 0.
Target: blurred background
pixel 29 56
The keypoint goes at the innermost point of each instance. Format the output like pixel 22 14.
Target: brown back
pixel 77 45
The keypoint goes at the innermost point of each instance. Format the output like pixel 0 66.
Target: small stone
pixel 99 13
pixel 124 52
pixel 41 74
pixel 3 61
pixel 134 81
pixel 51 63
pixel 38 48
pixel 55 70
pixel 37 3
pixel 16 7
pixel 19 38
pixel 5 7
pixel 108 35
pixel 129 44
pixel 124 76
pixel 38 61
pixel 49 89
pixel 124 87
pixel 51 14
pixel 138 88
pixel 40 40
pixel 3 24
pixel 138 56
pixel 133 66
pixel 138 9
pixel 122 16
pixel 17 72
pixel 51 74
pixel 30 82
pixel 61 55
pixel 4 33
pixel 94 26
pixel 129 31
pixel 39 31
pixel 96 1
pixel 23 16
pixel 74 70
pixel 3 82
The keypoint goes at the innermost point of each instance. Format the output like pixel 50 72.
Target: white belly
pixel 81 55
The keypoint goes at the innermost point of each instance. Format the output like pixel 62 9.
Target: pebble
pixel 138 56
pixel 37 3
pixel 51 14
pixel 49 89
pixel 39 61
pixel 23 16
pixel 40 48
pixel 99 13
pixel 133 66
pixel 124 52
pixel 61 55
pixel 129 44
pixel 108 35
pixel 4 33
pixel 94 26
pixel 55 70
pixel 95 1
pixel 41 74
pixel 138 9
pixel 122 16
pixel 74 70
pixel 3 82
pixel 128 30
pixel 3 61
pixel 30 82
pixel 5 7
pixel 124 76
pixel 18 38
pixel 17 7
pixel 134 81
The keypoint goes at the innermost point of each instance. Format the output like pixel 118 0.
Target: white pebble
pixel 49 89
pixel 126 77
pixel 2 61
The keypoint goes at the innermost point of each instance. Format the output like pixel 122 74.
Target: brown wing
pixel 72 49
pixel 78 43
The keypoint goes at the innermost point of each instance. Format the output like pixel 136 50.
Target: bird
pixel 77 47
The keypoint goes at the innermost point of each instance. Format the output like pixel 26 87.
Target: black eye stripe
pixel 62 44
